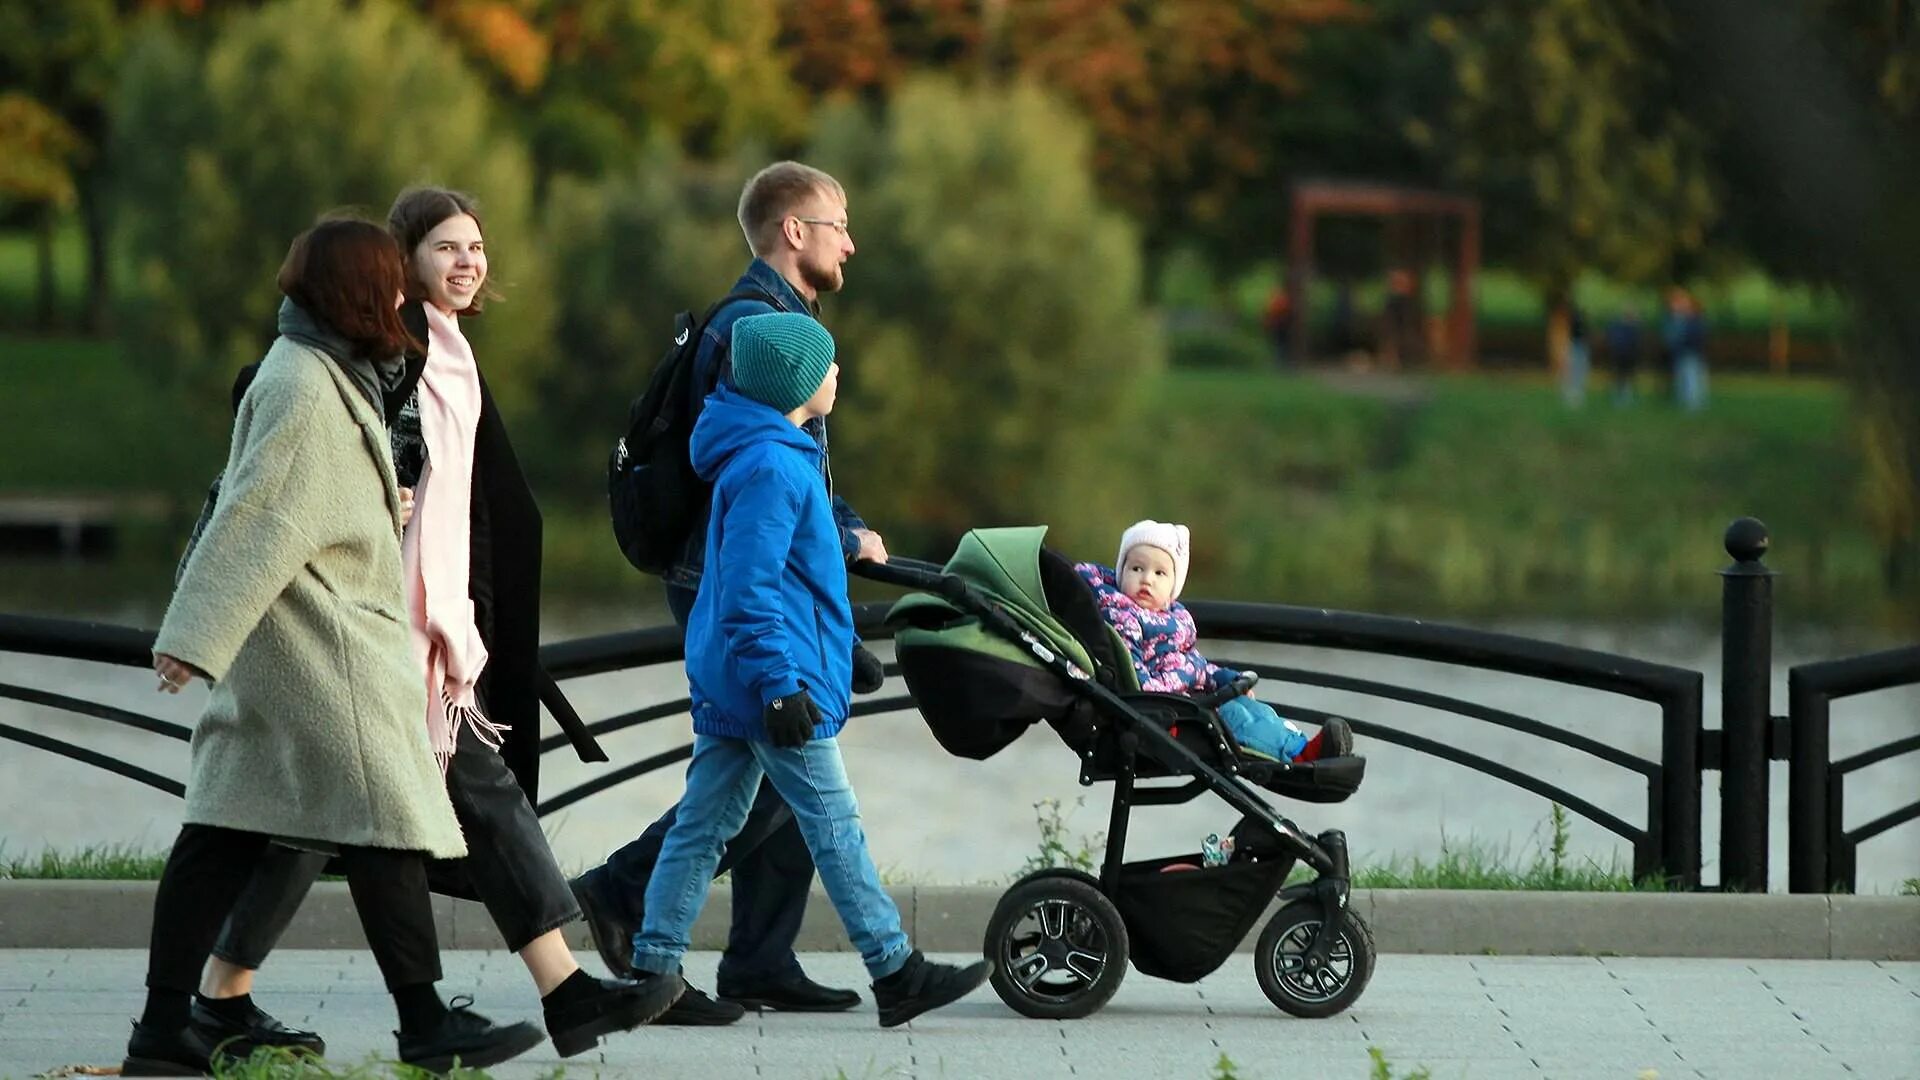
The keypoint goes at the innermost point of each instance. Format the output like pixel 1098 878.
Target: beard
pixel 822 279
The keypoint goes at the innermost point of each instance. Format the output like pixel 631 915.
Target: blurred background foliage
pixel 1071 216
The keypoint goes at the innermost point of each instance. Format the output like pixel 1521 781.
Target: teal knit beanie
pixel 780 359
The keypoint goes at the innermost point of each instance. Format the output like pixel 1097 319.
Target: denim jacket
pixel 713 366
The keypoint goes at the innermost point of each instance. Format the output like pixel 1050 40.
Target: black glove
pixel 790 719
pixel 868 674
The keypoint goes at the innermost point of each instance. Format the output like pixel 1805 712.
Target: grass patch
pixel 77 417
pixel 273 1063
pixel 1486 496
pixel 100 862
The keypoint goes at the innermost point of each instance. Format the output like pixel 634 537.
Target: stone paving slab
pixel 1473 1017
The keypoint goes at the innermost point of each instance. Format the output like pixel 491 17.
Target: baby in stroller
pixel 1141 602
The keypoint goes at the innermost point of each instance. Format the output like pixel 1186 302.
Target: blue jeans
pixel 1257 727
pixel 772 875
pixel 1690 380
pixel 722 779
pixel 1573 387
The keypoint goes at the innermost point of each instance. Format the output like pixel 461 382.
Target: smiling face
pixel 450 264
pixel 1146 576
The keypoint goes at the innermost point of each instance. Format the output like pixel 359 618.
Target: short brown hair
pixel 773 193
pixel 418 211
pixel 346 272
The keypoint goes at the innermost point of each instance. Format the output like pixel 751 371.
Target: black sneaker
pixel 1336 738
pixel 156 1052
pixel 239 1036
pixel 695 1009
pixel 614 1005
pixel 466 1037
pixel 925 984
pixel 611 934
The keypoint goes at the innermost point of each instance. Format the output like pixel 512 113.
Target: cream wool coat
pixel 292 601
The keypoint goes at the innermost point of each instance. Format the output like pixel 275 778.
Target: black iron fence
pixel 1667 846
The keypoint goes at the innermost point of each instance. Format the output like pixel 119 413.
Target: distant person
pixel 1278 322
pixel 1573 385
pixel 1684 333
pixel 1623 351
pixel 1400 320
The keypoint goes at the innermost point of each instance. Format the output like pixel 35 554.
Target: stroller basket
pixel 1183 924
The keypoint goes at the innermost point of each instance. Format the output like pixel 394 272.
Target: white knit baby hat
pixel 1164 535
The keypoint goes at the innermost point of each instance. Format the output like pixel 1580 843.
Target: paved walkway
pixel 1480 1017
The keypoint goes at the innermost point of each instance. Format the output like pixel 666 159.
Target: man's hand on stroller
pixel 790 719
pixel 868 673
pixel 872 548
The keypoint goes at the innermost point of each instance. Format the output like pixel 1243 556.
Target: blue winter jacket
pixel 772 613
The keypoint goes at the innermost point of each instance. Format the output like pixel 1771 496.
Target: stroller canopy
pixel 979 690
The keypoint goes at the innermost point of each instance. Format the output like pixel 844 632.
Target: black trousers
pixel 211 866
pixel 772 873
pixel 508 862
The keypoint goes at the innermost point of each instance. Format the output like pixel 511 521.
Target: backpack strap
pixel 700 388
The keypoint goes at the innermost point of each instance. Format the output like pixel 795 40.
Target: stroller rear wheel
pixel 1281 963
pixel 1058 946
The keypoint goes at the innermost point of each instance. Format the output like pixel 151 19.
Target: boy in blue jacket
pixel 769 643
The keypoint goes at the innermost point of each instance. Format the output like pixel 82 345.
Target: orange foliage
pixel 497 33
pixel 1177 91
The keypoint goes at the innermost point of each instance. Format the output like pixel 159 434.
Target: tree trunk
pixel 98 310
pixel 45 287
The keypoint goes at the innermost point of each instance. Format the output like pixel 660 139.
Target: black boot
pixel 925 984
pixel 582 1009
pixel 696 1009
pixel 790 992
pixel 465 1036
pixel 155 1051
pixel 612 935
pixel 237 1025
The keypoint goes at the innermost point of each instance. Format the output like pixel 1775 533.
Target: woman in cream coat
pixel 290 606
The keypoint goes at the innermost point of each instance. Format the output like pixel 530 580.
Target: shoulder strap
pixel 699 390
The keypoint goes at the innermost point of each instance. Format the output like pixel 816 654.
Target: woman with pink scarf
pixel 471 555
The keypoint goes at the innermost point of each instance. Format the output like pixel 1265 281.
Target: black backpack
pixel 653 494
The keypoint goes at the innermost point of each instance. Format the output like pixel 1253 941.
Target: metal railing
pixel 1668 846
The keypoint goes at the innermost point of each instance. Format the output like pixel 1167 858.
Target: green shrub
pixel 222 157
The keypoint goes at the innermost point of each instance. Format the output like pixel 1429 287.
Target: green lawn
pixel 1464 495
pixel 1484 494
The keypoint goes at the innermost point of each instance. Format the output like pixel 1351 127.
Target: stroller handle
pixel 904 572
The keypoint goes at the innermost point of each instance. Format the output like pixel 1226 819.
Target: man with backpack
pixel 795 221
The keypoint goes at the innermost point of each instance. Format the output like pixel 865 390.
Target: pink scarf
pixel 445 639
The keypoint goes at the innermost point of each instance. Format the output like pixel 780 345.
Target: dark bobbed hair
pixel 346 272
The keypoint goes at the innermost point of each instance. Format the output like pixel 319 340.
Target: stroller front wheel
pixel 1281 963
pixel 1059 948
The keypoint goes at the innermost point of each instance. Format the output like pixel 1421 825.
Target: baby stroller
pixel 1007 635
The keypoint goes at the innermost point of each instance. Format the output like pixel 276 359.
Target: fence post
pixel 1746 674
pixel 1680 725
pixel 1807 763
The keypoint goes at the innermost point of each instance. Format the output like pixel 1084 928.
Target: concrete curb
pixel 950 918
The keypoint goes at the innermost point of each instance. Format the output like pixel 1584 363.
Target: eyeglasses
pixel 837 226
